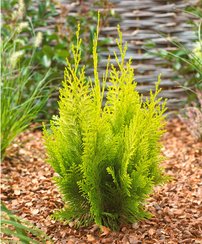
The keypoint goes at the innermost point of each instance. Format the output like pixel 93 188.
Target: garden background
pixel 164 37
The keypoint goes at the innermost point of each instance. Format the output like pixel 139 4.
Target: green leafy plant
pixel 20 101
pixel 24 231
pixel 48 27
pixel 186 61
pixel 106 152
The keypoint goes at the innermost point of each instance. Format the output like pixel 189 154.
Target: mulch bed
pixel 27 190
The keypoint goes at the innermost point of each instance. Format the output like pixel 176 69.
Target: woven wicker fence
pixel 143 21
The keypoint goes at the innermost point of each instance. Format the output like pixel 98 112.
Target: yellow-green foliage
pixel 106 153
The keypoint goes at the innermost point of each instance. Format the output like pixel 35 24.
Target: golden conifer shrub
pixel 106 152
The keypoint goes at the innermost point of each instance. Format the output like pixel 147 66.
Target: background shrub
pixel 47 27
pixel 106 153
pixel 20 101
pixel 187 62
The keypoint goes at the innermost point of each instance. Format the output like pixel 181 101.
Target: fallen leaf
pixel 90 238
pixel 35 211
pixel 105 231
pixel 17 192
pixel 151 231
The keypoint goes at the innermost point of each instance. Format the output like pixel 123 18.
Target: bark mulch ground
pixel 28 190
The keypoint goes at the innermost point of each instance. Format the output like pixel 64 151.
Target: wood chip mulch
pixel 27 190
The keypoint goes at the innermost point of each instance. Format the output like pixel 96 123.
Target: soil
pixel 28 190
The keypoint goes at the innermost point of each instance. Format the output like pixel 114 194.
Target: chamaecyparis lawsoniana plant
pixel 106 156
